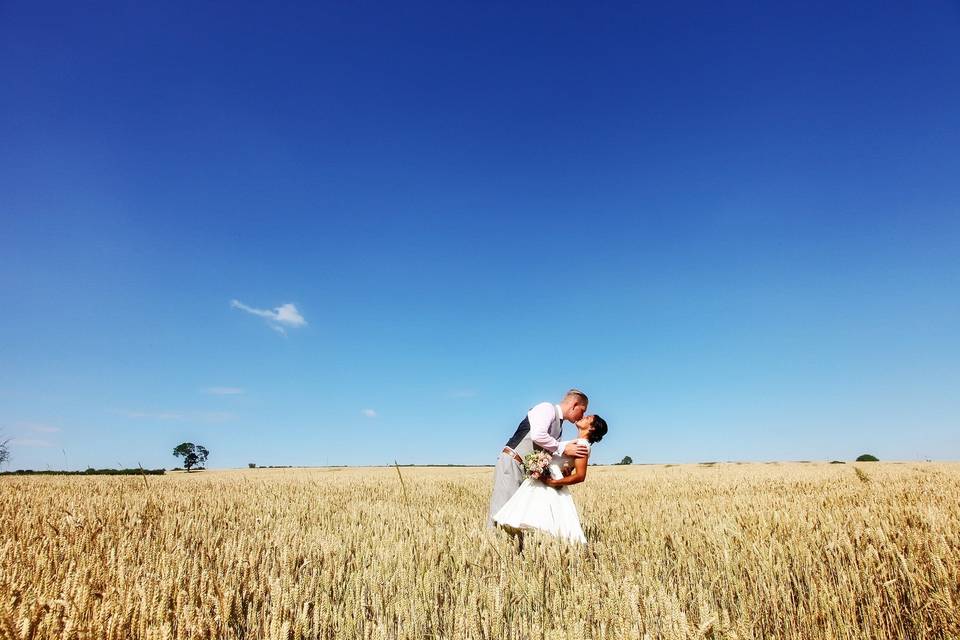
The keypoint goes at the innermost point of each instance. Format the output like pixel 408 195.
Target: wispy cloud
pixel 151 415
pixel 44 428
pixel 196 416
pixel 279 319
pixel 212 416
pixel 224 391
pixel 30 442
pixel 37 427
pixel 370 413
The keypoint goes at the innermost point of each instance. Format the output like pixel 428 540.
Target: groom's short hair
pixel 580 395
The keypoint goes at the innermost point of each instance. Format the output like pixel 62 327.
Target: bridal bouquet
pixel 535 463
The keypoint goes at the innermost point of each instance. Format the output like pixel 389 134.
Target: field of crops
pixel 691 551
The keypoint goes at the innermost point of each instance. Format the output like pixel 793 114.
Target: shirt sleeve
pixel 541 417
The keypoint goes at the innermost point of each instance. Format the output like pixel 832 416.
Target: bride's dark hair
pixel 597 430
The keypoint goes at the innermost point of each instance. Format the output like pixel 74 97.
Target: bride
pixel 545 503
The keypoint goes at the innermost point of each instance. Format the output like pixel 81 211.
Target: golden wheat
pixel 690 551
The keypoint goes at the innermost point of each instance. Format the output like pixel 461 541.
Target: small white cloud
pixel 287 314
pixel 279 319
pixel 30 442
pixel 370 413
pixel 224 391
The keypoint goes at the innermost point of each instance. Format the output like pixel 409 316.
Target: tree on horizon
pixel 192 454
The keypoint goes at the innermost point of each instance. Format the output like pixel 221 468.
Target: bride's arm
pixel 579 474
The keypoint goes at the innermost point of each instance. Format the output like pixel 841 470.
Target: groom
pixel 542 427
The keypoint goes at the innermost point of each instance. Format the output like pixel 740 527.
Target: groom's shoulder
pixel 541 407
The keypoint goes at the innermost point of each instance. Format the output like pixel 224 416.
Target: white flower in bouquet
pixel 535 463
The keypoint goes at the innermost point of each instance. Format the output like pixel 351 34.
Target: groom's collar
pixel 559 413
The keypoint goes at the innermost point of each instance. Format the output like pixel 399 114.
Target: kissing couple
pixel 542 501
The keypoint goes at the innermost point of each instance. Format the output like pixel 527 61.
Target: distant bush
pixel 868 458
pixel 837 462
pixel 252 465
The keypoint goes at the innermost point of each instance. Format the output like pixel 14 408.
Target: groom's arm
pixel 541 417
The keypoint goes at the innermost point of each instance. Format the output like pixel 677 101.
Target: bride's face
pixel 586 422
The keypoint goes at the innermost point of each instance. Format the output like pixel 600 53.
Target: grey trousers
pixel 507 478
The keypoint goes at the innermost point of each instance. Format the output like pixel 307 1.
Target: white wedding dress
pixel 537 506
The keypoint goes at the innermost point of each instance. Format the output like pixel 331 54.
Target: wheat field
pixel 690 551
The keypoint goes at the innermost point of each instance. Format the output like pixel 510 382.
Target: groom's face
pixel 576 413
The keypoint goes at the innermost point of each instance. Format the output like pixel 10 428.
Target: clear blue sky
pixel 736 226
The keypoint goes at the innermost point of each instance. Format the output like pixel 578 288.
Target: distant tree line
pixel 88 472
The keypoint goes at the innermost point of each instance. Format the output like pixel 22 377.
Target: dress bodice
pixel 559 459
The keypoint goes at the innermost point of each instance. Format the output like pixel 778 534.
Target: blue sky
pixel 734 225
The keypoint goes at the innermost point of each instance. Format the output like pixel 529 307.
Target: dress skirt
pixel 537 506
